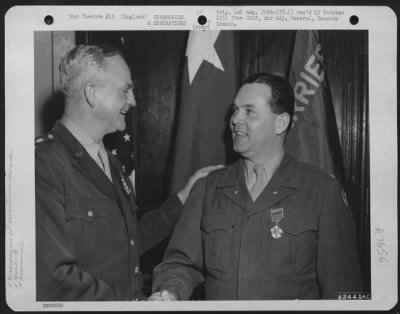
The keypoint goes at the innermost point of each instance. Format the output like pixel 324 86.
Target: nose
pixel 131 99
pixel 235 117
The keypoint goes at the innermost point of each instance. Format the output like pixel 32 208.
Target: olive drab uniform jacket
pixel 88 239
pixel 234 244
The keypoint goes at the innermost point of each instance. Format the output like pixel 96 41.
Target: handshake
pixel 163 295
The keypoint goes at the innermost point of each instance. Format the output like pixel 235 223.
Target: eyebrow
pixel 247 106
pixel 129 86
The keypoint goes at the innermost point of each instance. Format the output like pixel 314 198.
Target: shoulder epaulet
pixel 44 139
pixel 316 170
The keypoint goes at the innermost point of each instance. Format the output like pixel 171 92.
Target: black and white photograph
pixel 202 154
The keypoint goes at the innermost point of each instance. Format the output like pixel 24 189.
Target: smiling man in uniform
pixel 266 227
pixel 87 235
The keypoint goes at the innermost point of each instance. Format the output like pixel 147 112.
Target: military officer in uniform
pixel 266 227
pixel 87 235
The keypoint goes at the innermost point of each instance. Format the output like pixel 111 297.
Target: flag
pixel 314 137
pixel 209 84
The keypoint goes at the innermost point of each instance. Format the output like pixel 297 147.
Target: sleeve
pixel 338 263
pixel 156 225
pixel 182 267
pixel 58 277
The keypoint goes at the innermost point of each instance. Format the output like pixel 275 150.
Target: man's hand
pixel 163 295
pixel 184 193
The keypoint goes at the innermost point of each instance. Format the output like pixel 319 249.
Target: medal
pixel 276 217
pixel 276 232
pixel 126 187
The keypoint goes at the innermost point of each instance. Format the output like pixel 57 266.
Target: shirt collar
pixel 285 175
pixel 269 167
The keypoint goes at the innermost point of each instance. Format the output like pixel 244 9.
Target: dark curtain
pixel 156 60
pixel 265 51
pixel 347 64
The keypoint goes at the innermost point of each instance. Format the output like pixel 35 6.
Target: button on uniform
pixel 136 269
pixel 90 213
pixel 132 242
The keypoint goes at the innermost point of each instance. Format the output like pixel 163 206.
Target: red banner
pixel 314 136
pixel 209 84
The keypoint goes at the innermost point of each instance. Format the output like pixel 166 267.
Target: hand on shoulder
pixel 201 173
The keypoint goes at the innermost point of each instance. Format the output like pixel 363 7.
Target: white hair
pixel 82 64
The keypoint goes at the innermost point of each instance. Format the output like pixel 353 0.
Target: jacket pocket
pixel 217 239
pixel 294 253
pixel 89 227
pixel 297 226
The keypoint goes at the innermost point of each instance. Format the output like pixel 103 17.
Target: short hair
pixel 282 99
pixel 81 63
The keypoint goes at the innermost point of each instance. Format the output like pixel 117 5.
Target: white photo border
pixel 20 24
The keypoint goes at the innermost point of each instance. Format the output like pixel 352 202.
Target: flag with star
pixel 120 144
pixel 314 137
pixel 209 84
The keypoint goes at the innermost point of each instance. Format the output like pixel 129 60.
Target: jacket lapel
pixel 232 185
pixel 83 162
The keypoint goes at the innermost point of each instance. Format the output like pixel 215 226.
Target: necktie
pixel 102 156
pixel 260 181
pixel 101 160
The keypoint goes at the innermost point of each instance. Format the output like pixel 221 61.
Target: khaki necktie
pixel 260 181
pixel 101 160
pixel 102 156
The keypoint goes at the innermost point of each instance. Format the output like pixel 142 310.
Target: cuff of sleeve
pixel 179 290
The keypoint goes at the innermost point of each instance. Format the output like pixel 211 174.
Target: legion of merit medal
pixel 276 217
pixel 126 187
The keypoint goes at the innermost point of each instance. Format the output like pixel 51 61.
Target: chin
pixel 120 127
pixel 239 148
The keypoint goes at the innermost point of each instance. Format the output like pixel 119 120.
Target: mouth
pixel 124 112
pixel 239 137
pixel 237 133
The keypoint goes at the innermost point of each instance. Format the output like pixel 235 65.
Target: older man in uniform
pixel 87 233
pixel 266 227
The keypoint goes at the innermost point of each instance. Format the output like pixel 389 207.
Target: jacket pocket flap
pixel 88 209
pixel 216 222
pixel 297 227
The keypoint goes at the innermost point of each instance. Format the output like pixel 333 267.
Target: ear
pixel 90 94
pixel 282 123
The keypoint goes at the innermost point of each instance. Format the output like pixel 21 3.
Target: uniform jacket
pixel 88 239
pixel 224 239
